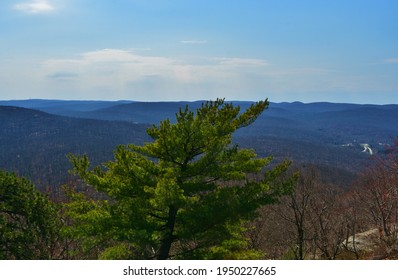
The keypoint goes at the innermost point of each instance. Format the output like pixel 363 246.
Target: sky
pixel 171 50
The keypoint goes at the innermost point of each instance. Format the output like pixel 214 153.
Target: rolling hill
pixel 36 135
pixel 35 144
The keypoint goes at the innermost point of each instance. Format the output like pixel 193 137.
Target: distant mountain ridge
pixel 36 135
pixel 139 112
pixel 35 144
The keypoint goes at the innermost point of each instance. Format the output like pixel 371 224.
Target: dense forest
pixel 35 144
pixel 197 180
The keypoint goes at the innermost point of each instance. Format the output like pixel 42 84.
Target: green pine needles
pixel 188 194
pixel 30 224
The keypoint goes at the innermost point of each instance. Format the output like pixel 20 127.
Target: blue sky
pixel 286 50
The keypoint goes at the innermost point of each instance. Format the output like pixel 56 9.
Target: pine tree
pixel 29 221
pixel 186 195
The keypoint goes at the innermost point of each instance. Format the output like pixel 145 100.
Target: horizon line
pixel 185 101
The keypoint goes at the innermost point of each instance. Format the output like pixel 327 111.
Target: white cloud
pixel 35 7
pixel 137 75
pixel 128 65
pixel 126 71
pixel 239 62
pixel 130 74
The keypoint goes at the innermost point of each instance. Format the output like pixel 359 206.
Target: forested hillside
pixel 319 180
pixel 35 143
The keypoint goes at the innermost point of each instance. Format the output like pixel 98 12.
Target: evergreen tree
pixel 29 221
pixel 187 195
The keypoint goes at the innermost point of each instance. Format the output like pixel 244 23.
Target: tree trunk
pixel 168 237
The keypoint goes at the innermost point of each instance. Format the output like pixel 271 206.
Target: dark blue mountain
pixel 62 107
pixel 35 143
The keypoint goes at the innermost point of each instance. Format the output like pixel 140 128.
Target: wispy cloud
pixel 35 7
pixel 140 75
pixel 127 71
pixel 193 42
pixel 239 62
pixel 129 65
pixel 391 60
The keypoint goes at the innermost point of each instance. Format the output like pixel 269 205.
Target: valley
pixel 37 135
